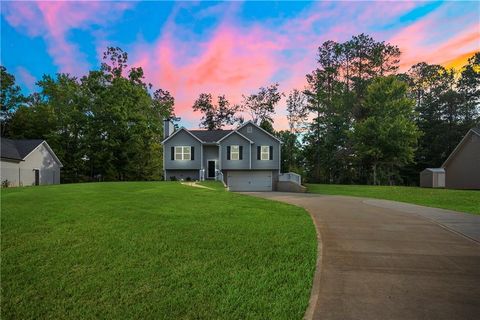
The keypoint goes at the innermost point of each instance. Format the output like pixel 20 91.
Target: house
pixel 462 167
pixel 28 162
pixel 245 159
pixel 432 178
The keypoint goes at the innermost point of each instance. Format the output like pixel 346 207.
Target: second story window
pixel 264 152
pixel 234 152
pixel 183 153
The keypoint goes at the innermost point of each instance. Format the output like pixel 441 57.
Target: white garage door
pixel 249 180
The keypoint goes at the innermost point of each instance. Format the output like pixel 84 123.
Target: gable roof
pixel 20 149
pixel 236 132
pixel 210 135
pixel 265 131
pixel 439 170
pixel 177 131
pixel 475 130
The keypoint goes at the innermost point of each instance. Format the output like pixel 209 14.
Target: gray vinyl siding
pixel 182 138
pixel 210 153
pixel 260 138
pixel 235 139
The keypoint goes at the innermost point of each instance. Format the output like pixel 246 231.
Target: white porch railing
pixel 218 175
pixel 290 176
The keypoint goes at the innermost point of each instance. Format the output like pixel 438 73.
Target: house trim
pixel 49 150
pixel 265 131
pixel 182 128
pixel 457 148
pixel 241 135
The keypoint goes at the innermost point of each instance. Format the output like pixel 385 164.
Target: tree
pixel 387 136
pixel 297 111
pixel 215 116
pixel 291 152
pixel 261 105
pixel 10 98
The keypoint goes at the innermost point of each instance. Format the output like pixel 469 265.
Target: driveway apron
pixel 388 261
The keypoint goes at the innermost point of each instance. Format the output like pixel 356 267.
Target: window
pixel 249 129
pixel 234 152
pixel 182 153
pixel 265 153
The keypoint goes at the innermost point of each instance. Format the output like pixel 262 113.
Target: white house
pixel 28 162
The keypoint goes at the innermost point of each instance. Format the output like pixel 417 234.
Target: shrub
pixel 6 183
pixel 173 178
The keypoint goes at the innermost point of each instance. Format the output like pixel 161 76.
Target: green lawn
pixel 458 200
pixel 152 250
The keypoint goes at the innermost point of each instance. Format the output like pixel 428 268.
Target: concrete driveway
pixel 387 260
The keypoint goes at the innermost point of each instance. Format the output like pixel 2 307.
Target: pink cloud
pixel 26 78
pixel 54 20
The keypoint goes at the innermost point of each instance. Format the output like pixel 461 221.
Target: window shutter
pixel 258 152
pixel 271 153
pixel 240 156
pixel 172 153
pixel 228 152
pixel 192 153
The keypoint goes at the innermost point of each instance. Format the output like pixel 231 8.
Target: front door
pixel 211 169
pixel 37 177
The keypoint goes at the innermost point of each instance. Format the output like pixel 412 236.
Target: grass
pixel 152 250
pixel 217 185
pixel 458 200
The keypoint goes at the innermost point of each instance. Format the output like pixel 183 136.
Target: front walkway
pixel 384 260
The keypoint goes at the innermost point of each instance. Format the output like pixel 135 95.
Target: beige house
pixel 462 167
pixel 28 162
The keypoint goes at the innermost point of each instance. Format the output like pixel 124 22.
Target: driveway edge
pixel 314 294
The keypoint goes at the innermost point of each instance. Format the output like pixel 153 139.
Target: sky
pixel 230 48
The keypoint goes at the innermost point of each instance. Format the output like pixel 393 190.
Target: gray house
pixel 28 162
pixel 462 167
pixel 245 159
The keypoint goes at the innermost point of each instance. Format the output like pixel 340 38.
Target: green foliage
pixel 10 98
pixel 387 136
pixel 139 250
pixel 104 126
pixel 261 105
pixel 215 116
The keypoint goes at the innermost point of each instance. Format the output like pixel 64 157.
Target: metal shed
pixel 432 178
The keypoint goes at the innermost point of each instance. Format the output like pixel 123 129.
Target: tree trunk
pixel 374 167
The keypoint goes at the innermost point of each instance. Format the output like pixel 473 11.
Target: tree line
pixel 358 120
pixel 104 126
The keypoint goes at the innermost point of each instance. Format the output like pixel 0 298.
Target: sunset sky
pixel 229 48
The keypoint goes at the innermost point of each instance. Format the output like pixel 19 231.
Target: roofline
pixel 184 129
pixel 49 150
pixel 15 159
pixel 454 152
pixel 235 131
pixel 251 122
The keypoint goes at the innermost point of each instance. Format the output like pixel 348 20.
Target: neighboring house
pixel 28 162
pixel 245 159
pixel 432 178
pixel 462 167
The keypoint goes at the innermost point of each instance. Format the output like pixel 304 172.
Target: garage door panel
pixel 250 180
